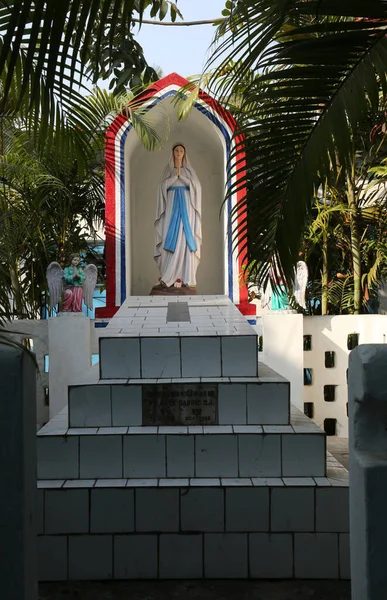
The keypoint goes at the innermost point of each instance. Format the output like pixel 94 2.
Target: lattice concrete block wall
pixel 327 335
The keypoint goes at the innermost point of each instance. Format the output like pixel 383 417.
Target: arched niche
pixel 132 177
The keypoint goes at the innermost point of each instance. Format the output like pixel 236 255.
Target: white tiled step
pixel 241 401
pixel 173 355
pixel 170 452
pixel 269 528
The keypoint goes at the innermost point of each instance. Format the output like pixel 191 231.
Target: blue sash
pixel 179 214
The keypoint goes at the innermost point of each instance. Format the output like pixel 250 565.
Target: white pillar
pixel 283 351
pixel 367 403
pixel 18 573
pixel 70 355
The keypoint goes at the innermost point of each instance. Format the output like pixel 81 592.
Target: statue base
pixel 163 290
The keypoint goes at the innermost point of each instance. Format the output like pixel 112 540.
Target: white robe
pixel 182 263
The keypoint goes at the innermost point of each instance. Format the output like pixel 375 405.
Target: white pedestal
pixel 70 355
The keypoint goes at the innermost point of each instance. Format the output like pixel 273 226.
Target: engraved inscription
pixel 180 404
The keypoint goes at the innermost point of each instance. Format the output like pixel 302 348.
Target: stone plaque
pixel 180 404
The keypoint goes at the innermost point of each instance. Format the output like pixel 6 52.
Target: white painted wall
pixel 143 172
pixel 283 349
pixel 38 332
pixel 70 355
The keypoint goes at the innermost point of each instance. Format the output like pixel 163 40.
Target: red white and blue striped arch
pixel 115 211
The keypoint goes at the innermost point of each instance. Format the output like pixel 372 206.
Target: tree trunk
pixel 355 246
pixel 324 276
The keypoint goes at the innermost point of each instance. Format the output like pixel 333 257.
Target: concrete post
pixel 367 394
pixel 18 574
pixel 70 355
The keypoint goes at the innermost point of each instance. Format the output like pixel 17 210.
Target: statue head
pixel 178 153
pixel 75 259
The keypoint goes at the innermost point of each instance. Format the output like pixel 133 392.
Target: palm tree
pixel 320 64
pixel 50 50
pixel 52 196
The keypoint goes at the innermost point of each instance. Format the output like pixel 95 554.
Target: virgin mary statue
pixel 178 222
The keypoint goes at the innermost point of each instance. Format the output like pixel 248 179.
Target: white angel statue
pixel 75 283
pixel 300 282
pixel 279 300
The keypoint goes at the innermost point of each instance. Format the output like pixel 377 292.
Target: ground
pixel 197 590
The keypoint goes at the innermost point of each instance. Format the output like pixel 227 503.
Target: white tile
pixel 268 404
pixel 217 429
pixel 247 509
pixel 303 455
pixel 48 483
pixel 101 456
pixel 216 456
pixel 173 430
pixel 200 357
pixel 248 429
pixel 292 509
pixel 259 455
pixel 344 556
pixel 239 481
pixel 195 429
pixel 180 456
pixel 126 405
pixel 269 481
pixel 54 430
pixel 178 482
pixel 79 483
pixel 66 511
pixel 278 429
pixel 240 356
pixel 104 483
pixel 322 481
pixel 135 556
pixel 52 557
pixel 82 431
pixel 119 358
pixel 58 457
pixel 157 509
pixel 112 510
pixel 202 509
pixel 112 430
pixel 332 509
pixel 143 430
pixel 160 357
pixel 204 482
pixel 144 456
pixel 271 555
pixel 90 406
pixel 142 482
pixel 316 556
pixel 225 556
pixel 232 404
pixel 90 557
pixel 299 481
pixel 174 549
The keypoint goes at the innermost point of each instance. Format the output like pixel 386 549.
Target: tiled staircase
pixel 248 496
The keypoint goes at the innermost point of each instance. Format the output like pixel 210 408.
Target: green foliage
pixel 318 66
pixel 49 50
pixel 52 195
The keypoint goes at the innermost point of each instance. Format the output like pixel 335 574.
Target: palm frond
pixel 320 65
